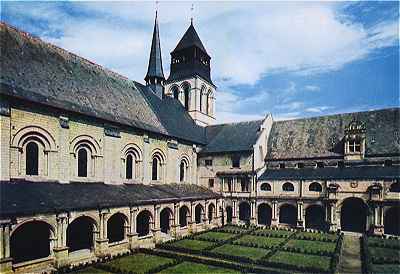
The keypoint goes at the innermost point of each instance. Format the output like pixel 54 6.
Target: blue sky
pixel 291 59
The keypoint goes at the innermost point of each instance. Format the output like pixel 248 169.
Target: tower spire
pixel 155 75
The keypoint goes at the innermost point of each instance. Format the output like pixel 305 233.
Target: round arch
pixel 315 187
pixel 244 212
pixel 288 187
pixel 391 221
pixel 81 233
pixel 166 216
pixel 183 216
pixel 211 212
pixel 264 214
pixel 116 224
pixel 288 214
pixel 31 240
pixel 174 90
pixel 24 134
pixel 229 213
pixel 353 215
pixel 198 213
pixel 265 187
pixel 315 218
pixel 143 222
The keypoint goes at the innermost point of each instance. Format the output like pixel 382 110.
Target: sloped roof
pixel 333 173
pixel 323 136
pixel 155 68
pixel 189 39
pixel 232 137
pixel 22 197
pixel 40 72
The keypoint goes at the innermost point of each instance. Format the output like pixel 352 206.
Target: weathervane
pixel 156 8
pixel 192 13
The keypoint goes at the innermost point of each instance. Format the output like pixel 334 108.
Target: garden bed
pixel 259 241
pixel 250 253
pixel 192 244
pixel 190 267
pixel 311 247
pixel 277 233
pixel 302 262
pixel 214 236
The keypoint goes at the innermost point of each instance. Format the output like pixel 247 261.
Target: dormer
pixel 354 141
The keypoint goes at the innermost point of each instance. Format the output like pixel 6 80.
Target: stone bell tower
pixel 190 81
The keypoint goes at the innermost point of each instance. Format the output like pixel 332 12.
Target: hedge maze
pixel 235 249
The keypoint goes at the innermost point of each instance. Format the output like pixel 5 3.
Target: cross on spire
pixel 192 13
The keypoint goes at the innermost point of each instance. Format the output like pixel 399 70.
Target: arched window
pixel 315 187
pixel 182 170
pixel 202 94
pixel 186 90
pixel 82 162
pixel 288 187
pixel 154 169
pixel 32 159
pixel 266 187
pixel 175 92
pixel 129 166
pixel 208 103
pixel 395 187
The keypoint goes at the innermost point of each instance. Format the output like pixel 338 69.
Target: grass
pixel 316 236
pixel 212 235
pixel 91 270
pixel 189 267
pixel 393 243
pixel 233 228
pixel 260 241
pixel 193 244
pixel 138 263
pixel 313 246
pixel 378 252
pixel 385 268
pixel 241 251
pixel 273 233
pixel 303 260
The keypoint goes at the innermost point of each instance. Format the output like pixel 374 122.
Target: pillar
pixel 235 218
pixel 378 227
pixel 5 259
pixel 156 224
pixel 102 242
pixel 332 220
pixel 132 234
pixel 300 215
pixel 253 212
pixel 61 250
pixel 274 219
pixel 5 141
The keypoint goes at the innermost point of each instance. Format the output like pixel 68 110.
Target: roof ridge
pixel 235 123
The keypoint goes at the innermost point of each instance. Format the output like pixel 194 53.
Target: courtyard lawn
pixel 193 244
pixel 189 267
pixel 260 241
pixel 316 236
pixel 91 270
pixel 379 252
pixel 212 235
pixel 301 260
pixel 273 233
pixel 138 263
pixel 313 246
pixel 233 229
pixel 385 268
pixel 390 243
pixel 241 251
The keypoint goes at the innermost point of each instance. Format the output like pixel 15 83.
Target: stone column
pixel 331 209
pixel 300 214
pixel 274 220
pixel 253 212
pixel 5 259
pixel 5 140
pixel 156 224
pixel 102 242
pixel 378 227
pixel 61 250
pixel 234 212
pixel 132 234
pixel 146 159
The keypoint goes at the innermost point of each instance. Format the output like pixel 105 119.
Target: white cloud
pixel 312 88
pixel 317 109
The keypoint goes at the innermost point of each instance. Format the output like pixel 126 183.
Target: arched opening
pixel 288 215
pixel 395 187
pixel 353 215
pixel 186 90
pixel 229 212
pixel 211 213
pixel 288 187
pixel 183 167
pixel 265 187
pixel 244 212
pixel 30 241
pixel 165 217
pixel 32 159
pixel 116 228
pixel 80 234
pixel 154 169
pixel 183 216
pixel 391 221
pixel 143 220
pixel 198 211
pixel 129 166
pixel 264 214
pixel 175 92
pixel 315 187
pixel 315 218
pixel 82 162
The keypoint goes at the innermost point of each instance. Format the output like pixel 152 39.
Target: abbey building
pixel 93 163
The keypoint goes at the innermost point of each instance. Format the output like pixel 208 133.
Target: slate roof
pixel 324 136
pixel 190 39
pixel 232 137
pixel 333 173
pixel 155 68
pixel 40 72
pixel 24 198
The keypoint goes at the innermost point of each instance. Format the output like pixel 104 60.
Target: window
pixel 32 159
pixel 209 162
pixel 154 169
pixel 244 184
pixel 186 89
pixel 354 146
pixel 340 164
pixel 82 162
pixel 182 170
pixel 230 184
pixel 281 165
pixel 320 165
pixel 288 187
pixel 175 92
pixel 266 187
pixel 129 166
pixel 235 161
pixel 300 165
pixel 388 162
pixel 210 183
pixel 315 187
pixel 395 187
